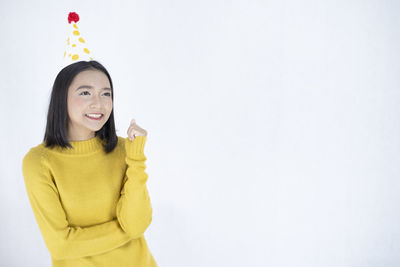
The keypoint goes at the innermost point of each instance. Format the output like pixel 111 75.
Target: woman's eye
pixel 107 94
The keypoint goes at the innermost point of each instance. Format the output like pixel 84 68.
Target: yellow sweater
pixel 92 208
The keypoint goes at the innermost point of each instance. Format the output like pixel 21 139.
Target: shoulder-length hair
pixel 57 116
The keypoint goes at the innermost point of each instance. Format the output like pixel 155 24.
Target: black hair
pixel 57 117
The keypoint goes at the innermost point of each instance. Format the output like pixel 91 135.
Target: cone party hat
pixel 76 48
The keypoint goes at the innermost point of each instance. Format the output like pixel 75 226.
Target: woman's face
pixel 89 93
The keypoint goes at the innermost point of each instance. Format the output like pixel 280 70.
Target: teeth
pixel 94 116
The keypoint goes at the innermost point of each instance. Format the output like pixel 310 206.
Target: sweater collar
pixel 81 147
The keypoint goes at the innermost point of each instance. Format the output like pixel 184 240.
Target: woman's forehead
pixel 91 79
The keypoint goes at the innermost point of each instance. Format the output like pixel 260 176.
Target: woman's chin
pixel 94 128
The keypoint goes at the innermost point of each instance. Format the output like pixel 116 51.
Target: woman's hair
pixel 57 116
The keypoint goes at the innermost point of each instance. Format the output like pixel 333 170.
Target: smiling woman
pixel 96 213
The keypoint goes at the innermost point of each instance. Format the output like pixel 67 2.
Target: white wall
pixel 273 125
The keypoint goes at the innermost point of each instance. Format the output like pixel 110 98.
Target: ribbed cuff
pixel 135 149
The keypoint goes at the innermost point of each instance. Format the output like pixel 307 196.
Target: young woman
pixel 86 185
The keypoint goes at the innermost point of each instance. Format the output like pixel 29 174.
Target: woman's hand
pixel 134 130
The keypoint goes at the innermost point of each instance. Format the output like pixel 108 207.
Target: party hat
pixel 76 48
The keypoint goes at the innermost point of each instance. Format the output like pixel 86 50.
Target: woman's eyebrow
pixel 90 87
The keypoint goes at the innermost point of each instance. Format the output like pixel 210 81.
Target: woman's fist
pixel 134 130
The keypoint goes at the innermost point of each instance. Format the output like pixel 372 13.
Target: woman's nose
pixel 96 102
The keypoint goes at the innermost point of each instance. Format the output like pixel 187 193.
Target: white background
pixel 273 125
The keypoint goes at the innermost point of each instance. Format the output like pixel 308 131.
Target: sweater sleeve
pixel 62 240
pixel 134 210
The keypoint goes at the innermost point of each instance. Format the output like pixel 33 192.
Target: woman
pixel 86 185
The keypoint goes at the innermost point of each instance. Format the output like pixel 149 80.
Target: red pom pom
pixel 73 17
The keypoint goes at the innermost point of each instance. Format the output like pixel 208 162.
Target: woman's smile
pixel 97 116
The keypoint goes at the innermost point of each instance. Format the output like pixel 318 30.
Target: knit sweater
pixel 92 208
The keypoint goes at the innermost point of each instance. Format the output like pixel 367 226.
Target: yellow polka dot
pixel 76 32
pixel 86 50
pixel 81 40
pixel 91 58
pixel 65 53
pixel 68 41
pixel 76 27
pixel 75 57
pixel 73 45
pixel 69 55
